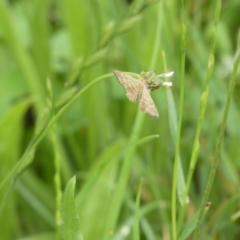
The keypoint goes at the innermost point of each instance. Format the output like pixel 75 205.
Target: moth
pixel 139 90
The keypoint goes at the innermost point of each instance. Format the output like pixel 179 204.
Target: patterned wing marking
pixel 147 105
pixel 132 86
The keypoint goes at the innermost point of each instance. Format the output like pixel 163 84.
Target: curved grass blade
pixel 24 160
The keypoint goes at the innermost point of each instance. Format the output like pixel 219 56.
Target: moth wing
pixel 147 105
pixel 132 86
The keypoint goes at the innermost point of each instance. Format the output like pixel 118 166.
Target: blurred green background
pixel 49 52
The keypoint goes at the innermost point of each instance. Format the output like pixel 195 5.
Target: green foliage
pixel 63 114
pixel 70 225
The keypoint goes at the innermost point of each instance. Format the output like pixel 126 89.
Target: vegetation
pixel 79 160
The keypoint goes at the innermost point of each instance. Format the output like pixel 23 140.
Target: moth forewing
pixel 132 86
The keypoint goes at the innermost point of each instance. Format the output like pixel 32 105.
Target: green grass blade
pixel 24 60
pixel 203 104
pixel 126 168
pixel 180 114
pixel 181 186
pixel 219 140
pixel 71 224
pixel 24 161
pixel 189 228
pixel 136 230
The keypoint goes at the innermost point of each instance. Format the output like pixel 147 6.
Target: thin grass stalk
pixel 124 174
pixel 57 181
pixel 203 104
pixel 57 163
pixel 172 113
pixel 126 168
pixel 157 38
pixel 136 229
pixel 219 142
pixel 182 85
pixel 36 139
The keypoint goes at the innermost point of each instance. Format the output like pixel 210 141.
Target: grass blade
pixel 71 225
